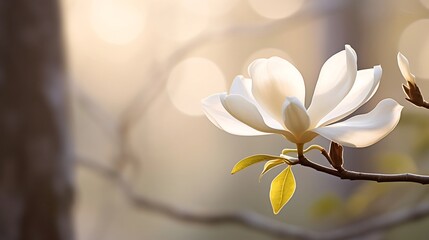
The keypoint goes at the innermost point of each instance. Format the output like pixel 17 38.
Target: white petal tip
pixel 401 56
pixel 292 100
pixel 402 60
pixel 378 67
pixel 404 67
pixel 350 50
pixel 251 69
pixel 207 101
pixel 295 115
pixel 378 71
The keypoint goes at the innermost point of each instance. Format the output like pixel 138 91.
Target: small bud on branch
pixel 336 155
pixel 414 95
pixel 411 89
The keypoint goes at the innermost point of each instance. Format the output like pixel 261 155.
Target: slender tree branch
pixel 95 111
pixel 352 175
pixel 249 220
pixel 378 224
pixel 254 221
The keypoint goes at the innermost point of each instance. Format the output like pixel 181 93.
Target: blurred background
pixel 153 61
pixel 138 69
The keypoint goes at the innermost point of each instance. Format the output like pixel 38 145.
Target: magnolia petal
pixel 336 78
pixel 404 66
pixel 295 116
pixel 288 77
pixel 273 80
pixel 217 114
pixel 365 86
pixel 366 129
pixel 247 113
pixel 243 87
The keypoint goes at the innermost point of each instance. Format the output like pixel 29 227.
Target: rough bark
pixel 35 169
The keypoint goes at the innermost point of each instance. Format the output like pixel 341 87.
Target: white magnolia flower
pixel 411 89
pixel 272 101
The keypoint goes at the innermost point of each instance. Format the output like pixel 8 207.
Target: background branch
pixel 121 129
pixel 159 72
pixel 254 221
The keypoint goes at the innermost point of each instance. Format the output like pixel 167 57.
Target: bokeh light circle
pixel 414 44
pixel 276 9
pixel 116 21
pixel 192 80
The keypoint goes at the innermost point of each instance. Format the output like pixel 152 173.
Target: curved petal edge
pixel 335 81
pixel 295 116
pixel 366 129
pixel 273 80
pixel 246 112
pixel 217 114
pixel 365 86
pixel 404 66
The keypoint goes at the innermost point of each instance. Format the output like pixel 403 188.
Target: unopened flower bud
pixel 336 155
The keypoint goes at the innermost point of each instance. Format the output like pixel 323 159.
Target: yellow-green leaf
pixel 270 165
pixel 282 189
pixel 244 163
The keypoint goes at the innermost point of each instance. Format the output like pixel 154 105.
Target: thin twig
pixel 352 175
pixel 254 221
pixel 95 111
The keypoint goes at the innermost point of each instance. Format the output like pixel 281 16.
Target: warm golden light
pixel 117 22
pixel 425 3
pixel 181 26
pixel 414 43
pixel 275 9
pixel 208 7
pixel 192 80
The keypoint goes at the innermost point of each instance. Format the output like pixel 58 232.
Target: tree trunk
pixel 35 164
